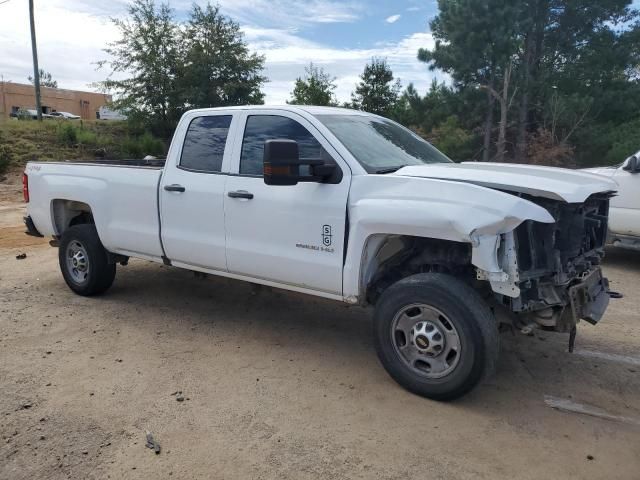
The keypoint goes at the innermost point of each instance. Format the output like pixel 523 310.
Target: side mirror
pixel 632 165
pixel 281 164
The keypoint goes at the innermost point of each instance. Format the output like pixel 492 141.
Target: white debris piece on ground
pixel 609 356
pixel 566 405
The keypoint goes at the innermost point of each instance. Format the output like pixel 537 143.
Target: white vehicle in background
pixel 105 113
pixel 65 115
pixel 352 207
pixel 624 214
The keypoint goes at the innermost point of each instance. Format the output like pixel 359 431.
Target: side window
pixel 267 127
pixel 204 143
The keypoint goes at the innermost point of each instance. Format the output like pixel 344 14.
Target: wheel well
pixel 390 258
pixel 67 213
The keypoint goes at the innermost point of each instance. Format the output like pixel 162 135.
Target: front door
pixel 287 234
pixel 192 191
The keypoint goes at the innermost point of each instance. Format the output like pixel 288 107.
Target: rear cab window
pixel 204 144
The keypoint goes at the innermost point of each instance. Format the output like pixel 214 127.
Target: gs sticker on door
pixel 327 241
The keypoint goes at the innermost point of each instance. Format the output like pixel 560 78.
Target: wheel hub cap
pixel 77 262
pixel 426 340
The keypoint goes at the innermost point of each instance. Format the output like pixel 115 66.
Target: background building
pixel 14 96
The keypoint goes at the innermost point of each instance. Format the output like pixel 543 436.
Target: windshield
pixel 380 145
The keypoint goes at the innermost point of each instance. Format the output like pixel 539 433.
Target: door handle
pixel 240 194
pixel 174 188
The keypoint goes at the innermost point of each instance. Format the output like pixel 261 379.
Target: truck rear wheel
pixel 83 261
pixel 435 335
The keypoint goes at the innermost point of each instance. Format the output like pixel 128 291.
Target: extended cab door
pixel 192 191
pixel 287 234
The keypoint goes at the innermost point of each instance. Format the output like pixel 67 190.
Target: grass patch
pixel 5 159
pixel 22 141
pixel 87 138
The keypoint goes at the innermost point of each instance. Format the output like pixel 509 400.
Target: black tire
pixel 100 273
pixel 475 329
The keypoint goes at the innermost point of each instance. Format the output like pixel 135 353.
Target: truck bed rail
pixel 157 163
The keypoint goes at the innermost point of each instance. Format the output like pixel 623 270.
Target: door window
pixel 269 127
pixel 204 143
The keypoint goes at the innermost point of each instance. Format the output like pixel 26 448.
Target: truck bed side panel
pixel 123 201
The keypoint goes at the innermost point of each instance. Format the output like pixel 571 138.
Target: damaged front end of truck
pixel 550 272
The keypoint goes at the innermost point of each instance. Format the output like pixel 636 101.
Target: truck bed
pixel 122 198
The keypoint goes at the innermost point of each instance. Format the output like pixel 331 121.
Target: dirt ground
pixel 283 386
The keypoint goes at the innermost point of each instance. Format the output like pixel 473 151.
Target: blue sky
pixel 340 36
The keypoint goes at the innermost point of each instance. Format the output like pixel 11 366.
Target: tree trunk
pixel 488 123
pixel 541 16
pixel 504 113
pixel 523 113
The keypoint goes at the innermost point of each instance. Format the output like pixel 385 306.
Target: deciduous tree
pixel 315 88
pixel 160 67
pixel 217 68
pixel 46 79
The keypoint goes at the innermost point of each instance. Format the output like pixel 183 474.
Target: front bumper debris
pixel 589 298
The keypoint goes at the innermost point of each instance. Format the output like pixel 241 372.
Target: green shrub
pixel 131 148
pixel 5 158
pixel 151 145
pixel 625 141
pixel 86 137
pixel 67 134
pixel 451 139
pixel 142 146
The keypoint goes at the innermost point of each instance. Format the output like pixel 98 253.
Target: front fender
pixel 431 208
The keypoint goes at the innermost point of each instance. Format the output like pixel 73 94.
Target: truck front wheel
pixel 83 261
pixel 435 335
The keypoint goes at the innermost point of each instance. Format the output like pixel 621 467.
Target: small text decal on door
pixel 326 235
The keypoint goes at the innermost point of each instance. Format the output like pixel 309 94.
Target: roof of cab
pixel 311 109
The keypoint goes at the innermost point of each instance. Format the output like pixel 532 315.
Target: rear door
pixel 287 234
pixel 192 189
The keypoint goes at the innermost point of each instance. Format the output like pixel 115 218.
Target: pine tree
pixel 377 92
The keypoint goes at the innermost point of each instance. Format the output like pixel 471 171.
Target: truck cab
pixel 219 214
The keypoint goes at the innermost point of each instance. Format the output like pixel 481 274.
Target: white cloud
pixel 288 55
pixel 392 18
pixel 291 13
pixel 69 42
pixel 73 33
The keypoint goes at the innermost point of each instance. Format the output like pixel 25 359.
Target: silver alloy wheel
pixel 426 340
pixel 77 261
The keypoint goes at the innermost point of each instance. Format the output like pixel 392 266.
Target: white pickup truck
pixel 624 217
pixel 349 206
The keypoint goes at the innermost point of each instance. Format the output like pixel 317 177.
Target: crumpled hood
pixel 606 171
pixel 571 186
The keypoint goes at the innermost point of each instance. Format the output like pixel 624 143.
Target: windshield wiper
pixel 389 169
